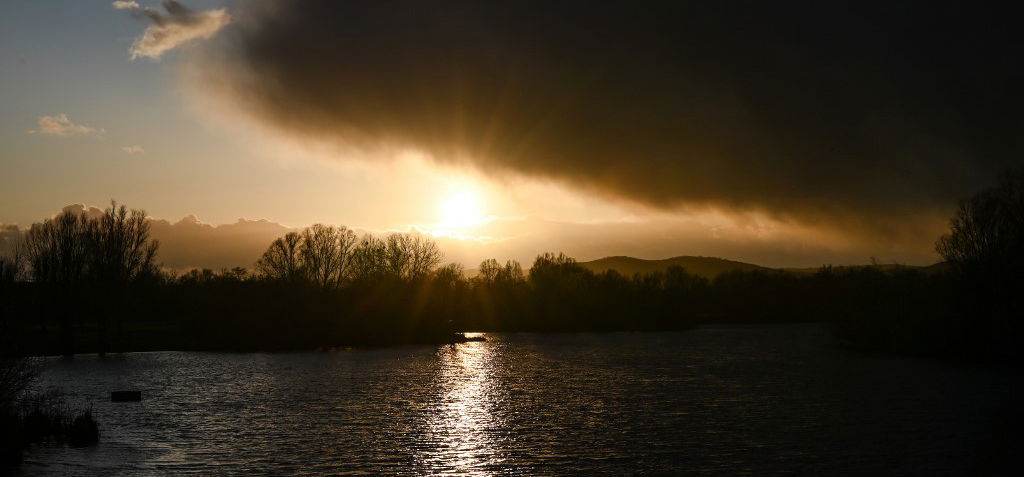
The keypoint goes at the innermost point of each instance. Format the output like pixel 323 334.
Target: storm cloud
pixel 864 113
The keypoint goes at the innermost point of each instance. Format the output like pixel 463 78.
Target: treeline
pixel 90 283
pixel 74 271
pixel 972 309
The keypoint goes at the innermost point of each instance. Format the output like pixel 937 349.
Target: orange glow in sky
pixel 460 209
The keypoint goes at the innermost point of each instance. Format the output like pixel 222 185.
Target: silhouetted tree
pixel 12 266
pixel 988 229
pixel 321 255
pixel 512 272
pixel 559 270
pixel 424 256
pixel 985 247
pixel 112 248
pixel 489 270
pixel 120 248
pixel 282 261
pixel 451 275
pixel 346 242
pixel 93 258
pixel 57 248
pixel 409 256
pixel 368 257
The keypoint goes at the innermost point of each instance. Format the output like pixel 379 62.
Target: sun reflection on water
pixel 463 424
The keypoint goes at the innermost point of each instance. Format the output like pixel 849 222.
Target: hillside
pixel 709 267
pixel 939 267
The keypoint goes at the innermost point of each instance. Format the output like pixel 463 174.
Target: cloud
pixel 190 243
pixel 177 26
pixel 90 211
pixel 864 116
pixel 60 125
pixel 133 149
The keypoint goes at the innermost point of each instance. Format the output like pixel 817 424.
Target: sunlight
pixel 463 420
pixel 461 209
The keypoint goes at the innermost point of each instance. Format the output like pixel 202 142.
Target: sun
pixel 462 209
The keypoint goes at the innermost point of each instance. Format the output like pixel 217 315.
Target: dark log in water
pixel 125 396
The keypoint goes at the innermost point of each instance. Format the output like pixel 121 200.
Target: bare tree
pixel 512 272
pixel 489 270
pixel 121 250
pixel 57 248
pixel 320 255
pixel 423 256
pixel 988 228
pixel 331 256
pixel 367 261
pixel 346 243
pixel 281 261
pixel 12 265
pixel 113 248
pixel 450 275
pixel 396 255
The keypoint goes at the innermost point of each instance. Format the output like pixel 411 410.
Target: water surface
pixel 719 400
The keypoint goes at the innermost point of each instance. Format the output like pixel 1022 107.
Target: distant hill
pixel 708 267
pixel 711 267
pixel 885 267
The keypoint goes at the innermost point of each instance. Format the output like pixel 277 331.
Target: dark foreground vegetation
pixel 33 418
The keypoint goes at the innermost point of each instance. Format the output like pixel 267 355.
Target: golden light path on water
pixel 463 422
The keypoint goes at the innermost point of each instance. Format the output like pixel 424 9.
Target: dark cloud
pixel 866 112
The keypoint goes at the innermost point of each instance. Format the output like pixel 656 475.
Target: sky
pixel 782 133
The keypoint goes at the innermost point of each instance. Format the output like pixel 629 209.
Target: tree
pixel 332 256
pixel 985 246
pixel 57 248
pixel 367 262
pixel 281 261
pixel 987 231
pixel 120 248
pixel 489 270
pixel 396 255
pixel 549 269
pixel 321 258
pixel 512 272
pixel 12 267
pixel 424 256
pixel 451 275
pixel 346 242
pixel 492 272
pixel 409 256
pixel 114 248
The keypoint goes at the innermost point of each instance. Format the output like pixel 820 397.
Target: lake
pixel 717 400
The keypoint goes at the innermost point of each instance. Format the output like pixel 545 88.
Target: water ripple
pixel 779 400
